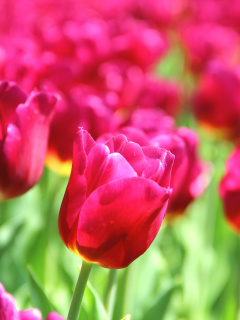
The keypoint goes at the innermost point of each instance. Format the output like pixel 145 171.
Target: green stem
pixel 75 306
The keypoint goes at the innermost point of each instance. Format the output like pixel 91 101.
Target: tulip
pixel 30 314
pixel 24 127
pixel 83 108
pixel 164 13
pixel 216 101
pixel 207 41
pixel 162 94
pixel 151 121
pixel 230 190
pixel 8 309
pixel 54 316
pixel 190 176
pixel 139 43
pixel 115 200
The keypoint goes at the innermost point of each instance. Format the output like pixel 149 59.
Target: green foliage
pixel 92 307
pixel 38 297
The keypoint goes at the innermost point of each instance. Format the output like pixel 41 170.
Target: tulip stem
pixel 75 306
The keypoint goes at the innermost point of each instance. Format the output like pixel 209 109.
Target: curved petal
pixel 10 97
pixel 103 167
pixel 160 165
pixel 117 143
pixel 177 146
pixel 135 135
pixel 120 220
pixel 131 151
pixel 75 194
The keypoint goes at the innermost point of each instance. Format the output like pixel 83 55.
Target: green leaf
pixel 92 308
pixel 38 297
pixel 159 307
pixel 127 317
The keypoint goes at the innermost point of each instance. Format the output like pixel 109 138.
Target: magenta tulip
pixel 24 127
pixel 207 41
pixel 190 175
pixel 216 101
pixel 115 200
pixel 230 190
pixel 8 309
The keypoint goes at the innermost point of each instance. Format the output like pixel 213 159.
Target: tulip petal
pixel 103 167
pixel 160 165
pixel 75 194
pixel 117 143
pixel 131 151
pixel 136 135
pixel 10 97
pixel 120 220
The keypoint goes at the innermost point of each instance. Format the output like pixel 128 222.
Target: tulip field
pixel 119 160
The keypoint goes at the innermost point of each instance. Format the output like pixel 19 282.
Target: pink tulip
pixel 208 41
pixel 160 94
pixel 138 43
pixel 8 309
pixel 30 314
pixel 24 128
pixel 190 176
pixel 115 200
pixel 230 190
pixel 216 101
pixel 82 108
pixel 54 316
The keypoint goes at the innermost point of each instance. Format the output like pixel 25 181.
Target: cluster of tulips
pixel 80 93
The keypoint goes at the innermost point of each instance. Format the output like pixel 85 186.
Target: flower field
pixel 119 160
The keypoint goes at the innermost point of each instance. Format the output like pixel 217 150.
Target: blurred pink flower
pixel 230 190
pixel 161 94
pixel 24 129
pixel 8 309
pixel 216 101
pixel 139 43
pixel 81 108
pixel 207 41
pixel 54 316
pixel 151 121
pixel 164 13
pixel 190 175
